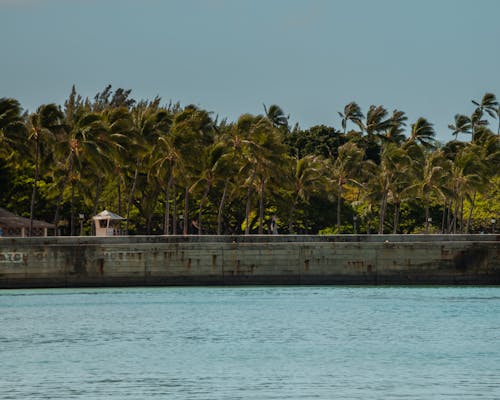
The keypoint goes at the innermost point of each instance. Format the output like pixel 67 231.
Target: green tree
pixel 462 124
pixel 376 121
pixel 192 131
pixel 352 112
pixel 13 131
pixel 346 168
pixel 307 176
pixel 43 127
pixel 488 104
pixel 393 168
pixel 277 117
pixel 422 132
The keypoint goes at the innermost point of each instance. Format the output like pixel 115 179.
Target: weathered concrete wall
pixel 268 259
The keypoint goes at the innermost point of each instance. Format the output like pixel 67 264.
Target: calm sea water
pixel 251 343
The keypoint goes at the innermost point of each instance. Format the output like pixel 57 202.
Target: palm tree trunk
pixel 339 204
pixel 202 203
pixel 221 208
pixel 72 209
pixel 383 206
pixel 166 222
pixel 292 210
pixel 35 185
pixel 443 220
pixel 261 206
pixel 186 211
pixel 98 191
pixel 461 215
pixel 247 209
pixel 174 213
pixel 469 218
pixel 61 194
pixel 427 201
pixel 455 217
pixel 396 218
pixel 131 194
pixel 119 193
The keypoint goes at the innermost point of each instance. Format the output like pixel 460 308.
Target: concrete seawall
pixel 267 259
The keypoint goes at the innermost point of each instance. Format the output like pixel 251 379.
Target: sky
pixel 429 58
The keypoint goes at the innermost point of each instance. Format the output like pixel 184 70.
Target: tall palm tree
pixel 394 166
pixel 270 161
pixel 235 138
pixel 352 112
pixel 213 161
pixel 430 179
pixel 307 176
pixel 346 168
pixel 43 127
pixel 74 144
pixel 192 131
pixel 263 156
pixel 167 164
pixel 465 178
pixel 148 124
pixel 486 149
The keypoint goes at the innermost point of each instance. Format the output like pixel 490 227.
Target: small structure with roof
pixel 12 225
pixel 107 223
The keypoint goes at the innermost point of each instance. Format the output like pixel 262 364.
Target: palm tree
pixel 277 117
pixel 486 150
pixel 307 176
pixel 430 179
pixel 462 124
pixel 352 112
pixel 263 154
pixel 465 178
pixel 167 164
pixel 477 121
pixel 192 131
pixel 488 104
pixel 345 168
pixel 270 160
pixel 395 132
pixel 394 166
pixel 44 125
pixel 74 144
pixel 376 120
pixel 422 132
pixel 235 139
pixel 12 128
pixel 212 164
pixel 148 124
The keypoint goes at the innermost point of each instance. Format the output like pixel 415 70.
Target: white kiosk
pixel 107 223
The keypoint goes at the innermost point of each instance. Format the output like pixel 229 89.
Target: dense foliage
pixel 161 165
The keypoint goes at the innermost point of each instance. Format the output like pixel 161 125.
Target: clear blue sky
pixel 428 57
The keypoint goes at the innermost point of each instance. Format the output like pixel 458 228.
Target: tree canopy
pixel 174 169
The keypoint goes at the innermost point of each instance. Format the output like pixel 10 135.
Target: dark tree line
pixel 177 170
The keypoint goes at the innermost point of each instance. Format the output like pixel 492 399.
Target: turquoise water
pixel 251 343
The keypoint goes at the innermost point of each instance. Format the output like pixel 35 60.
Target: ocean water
pixel 296 342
